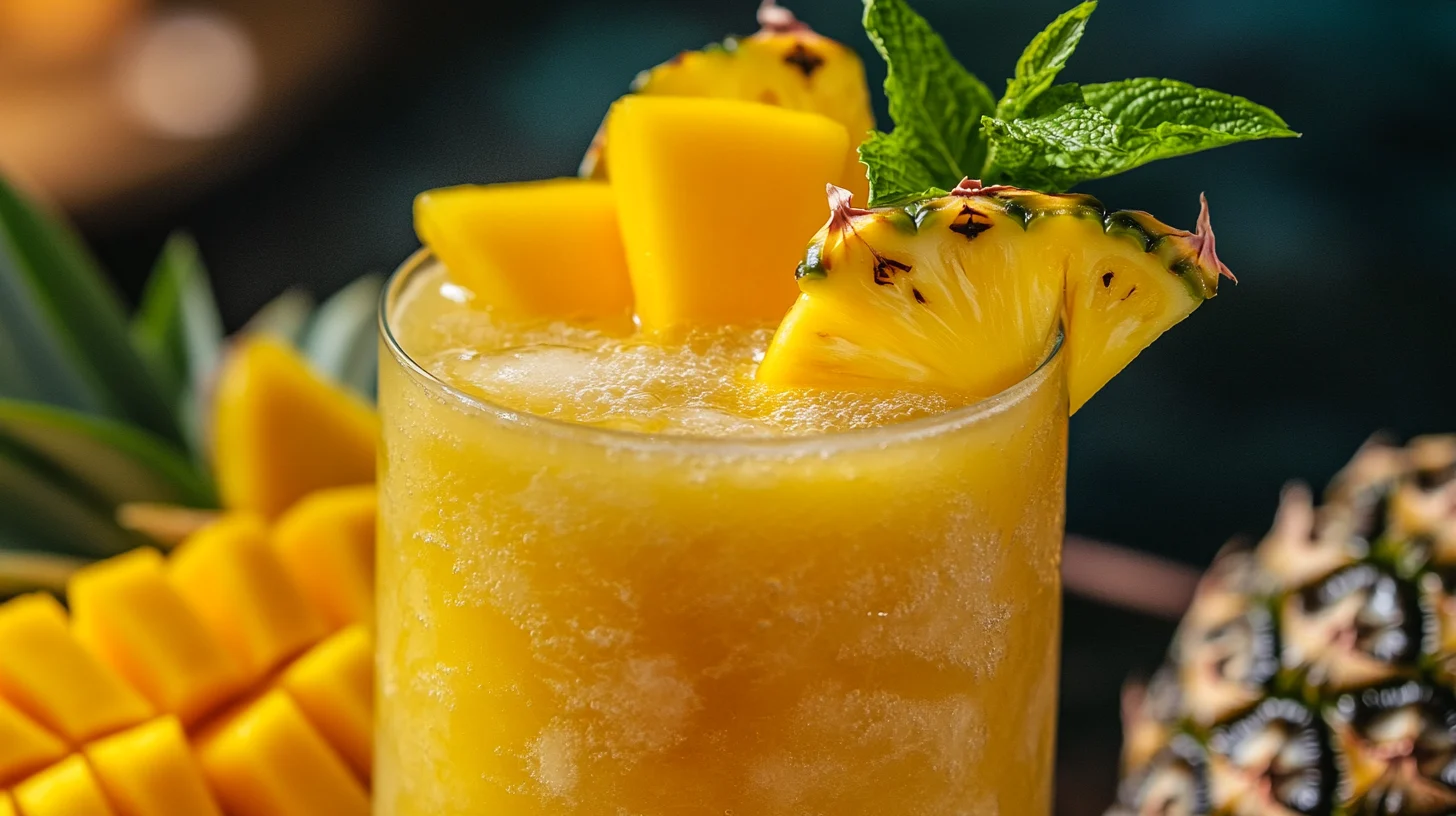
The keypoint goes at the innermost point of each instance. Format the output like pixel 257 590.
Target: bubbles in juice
pixel 698 384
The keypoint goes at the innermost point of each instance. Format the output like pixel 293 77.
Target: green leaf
pixel 1054 97
pixel 84 358
pixel 1149 102
pixel 343 339
pixel 284 317
pixel 935 102
pixel 177 325
pixel 114 462
pixel 40 511
pixel 1043 59
pixel 1122 125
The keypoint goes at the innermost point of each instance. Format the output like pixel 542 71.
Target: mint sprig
pixel 1039 135
pixel 937 106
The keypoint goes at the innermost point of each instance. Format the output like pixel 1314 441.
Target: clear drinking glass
pixel 577 621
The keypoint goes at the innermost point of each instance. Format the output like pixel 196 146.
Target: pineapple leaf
pixel 39 510
pixel 23 571
pixel 177 324
pixel 59 308
pixel 935 102
pixel 114 462
pixel 285 317
pixel 1043 59
pixel 341 339
pixel 1120 126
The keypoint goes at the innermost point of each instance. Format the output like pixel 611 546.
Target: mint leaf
pixel 1150 102
pixel 1043 59
pixel 1119 126
pixel 935 102
pixel 892 170
pixel 1053 98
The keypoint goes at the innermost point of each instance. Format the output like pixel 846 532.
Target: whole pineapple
pixel 1314 674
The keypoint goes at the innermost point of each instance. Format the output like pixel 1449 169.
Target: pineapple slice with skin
pixel 282 431
pixel 965 290
pixel 531 249
pixel 785 64
pixel 725 263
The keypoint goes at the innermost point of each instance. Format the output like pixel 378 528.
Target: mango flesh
pixel 266 760
pixel 89 706
pixel 282 431
pixel 796 69
pixel 326 543
pixel 150 771
pixel 716 198
pixel 230 576
pixel 127 613
pixel 532 249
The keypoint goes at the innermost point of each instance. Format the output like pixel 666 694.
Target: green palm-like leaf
pixel 24 571
pixel 114 462
pixel 41 511
pixel 60 312
pixel 341 340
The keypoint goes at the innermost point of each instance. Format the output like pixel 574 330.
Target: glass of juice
pixel 620 578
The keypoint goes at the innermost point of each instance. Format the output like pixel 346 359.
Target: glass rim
pixel 919 428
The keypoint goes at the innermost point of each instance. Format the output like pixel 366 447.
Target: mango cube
pixel 536 249
pixel 327 544
pixel 125 611
pixel 68 788
pixel 718 199
pixel 150 771
pixel 25 747
pixel 234 582
pixel 7 805
pixel 333 685
pixel 266 760
pixel 50 677
pixel 282 431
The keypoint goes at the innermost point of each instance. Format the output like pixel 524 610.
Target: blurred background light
pixel 189 75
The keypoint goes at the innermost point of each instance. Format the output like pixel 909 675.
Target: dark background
pixel 1342 323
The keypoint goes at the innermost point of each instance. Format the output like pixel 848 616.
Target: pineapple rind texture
pixel 965 291
pixel 1312 675
pixel 207 683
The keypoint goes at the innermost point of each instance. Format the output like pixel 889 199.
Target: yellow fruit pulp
pixel 280 431
pixel 715 199
pixel 793 68
pixel 577 622
pixel 203 684
pixel 534 248
pixel 966 291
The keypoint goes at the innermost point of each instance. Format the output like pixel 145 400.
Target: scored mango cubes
pixel 326 542
pixel 231 578
pixel 150 771
pixel 716 199
pixel 127 613
pixel 48 675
